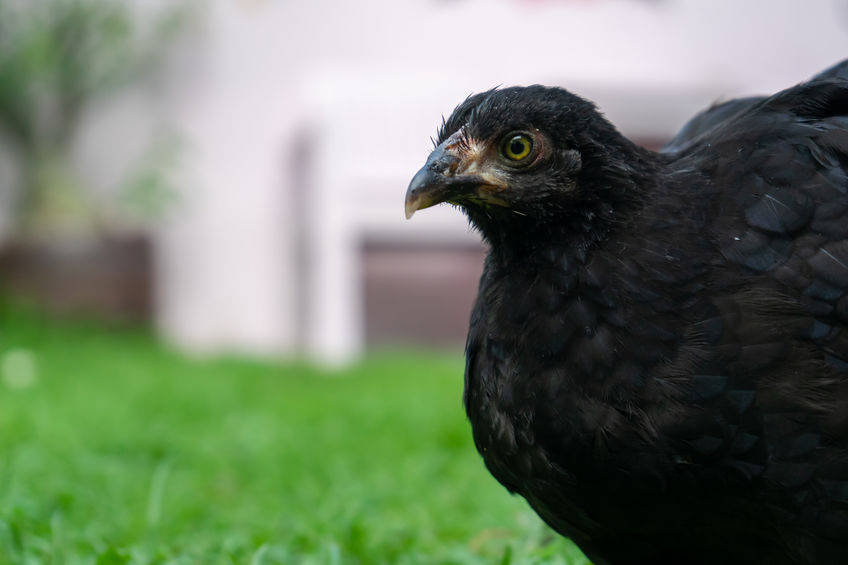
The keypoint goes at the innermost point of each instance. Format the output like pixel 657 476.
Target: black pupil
pixel 518 145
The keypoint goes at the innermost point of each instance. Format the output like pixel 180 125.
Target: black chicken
pixel 658 356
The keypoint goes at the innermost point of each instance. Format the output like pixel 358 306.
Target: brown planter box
pixel 418 294
pixel 109 279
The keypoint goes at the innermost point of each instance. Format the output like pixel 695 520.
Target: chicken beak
pixel 432 184
pixel 426 189
pixel 455 172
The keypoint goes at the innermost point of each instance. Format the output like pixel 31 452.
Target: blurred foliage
pixel 117 450
pixel 57 59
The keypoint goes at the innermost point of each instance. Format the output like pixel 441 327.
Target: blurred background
pixel 220 341
pixel 232 171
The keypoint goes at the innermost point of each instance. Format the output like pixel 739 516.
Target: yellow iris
pixel 517 147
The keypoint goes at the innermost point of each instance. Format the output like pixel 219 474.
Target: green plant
pixel 57 59
pixel 115 449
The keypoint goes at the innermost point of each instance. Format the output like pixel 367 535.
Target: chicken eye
pixel 517 146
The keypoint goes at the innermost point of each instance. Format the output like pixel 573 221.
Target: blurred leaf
pixel 507 556
pixel 148 192
pixel 57 57
pixel 112 557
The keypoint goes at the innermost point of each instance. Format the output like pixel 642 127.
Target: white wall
pixel 371 78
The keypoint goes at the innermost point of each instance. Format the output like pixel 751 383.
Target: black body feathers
pixel 658 356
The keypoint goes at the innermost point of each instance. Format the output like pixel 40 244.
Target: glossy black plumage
pixel 658 357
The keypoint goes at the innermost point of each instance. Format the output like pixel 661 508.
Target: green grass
pixel 115 450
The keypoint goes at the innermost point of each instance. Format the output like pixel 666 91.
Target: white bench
pixel 367 137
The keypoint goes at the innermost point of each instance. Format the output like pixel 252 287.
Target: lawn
pixel 116 450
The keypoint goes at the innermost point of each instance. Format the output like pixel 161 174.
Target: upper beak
pixel 432 184
pixel 440 180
